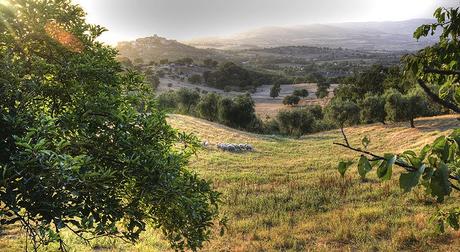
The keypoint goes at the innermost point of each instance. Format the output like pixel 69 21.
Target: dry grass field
pixel 288 196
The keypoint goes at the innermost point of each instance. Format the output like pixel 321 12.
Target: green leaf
pixel 385 169
pixel 441 148
pixel 363 166
pixel 343 166
pixel 411 179
pixel 365 142
pixel 440 184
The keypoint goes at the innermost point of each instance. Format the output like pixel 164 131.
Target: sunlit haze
pixel 183 20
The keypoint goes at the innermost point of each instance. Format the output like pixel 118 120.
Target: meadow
pixel 288 196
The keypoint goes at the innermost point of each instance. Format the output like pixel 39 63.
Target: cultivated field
pixel 288 196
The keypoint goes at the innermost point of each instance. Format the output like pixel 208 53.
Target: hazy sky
pixel 186 19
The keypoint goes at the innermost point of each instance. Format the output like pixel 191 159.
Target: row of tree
pixel 237 112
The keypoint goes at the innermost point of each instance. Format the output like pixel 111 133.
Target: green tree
pixel 435 166
pixel 322 92
pixel 343 112
pixel 167 101
pixel 210 63
pixel 373 109
pixel 187 99
pixel 195 79
pixel 83 146
pixel 238 112
pixel 208 107
pixel 301 92
pixel 275 90
pixel 400 107
pixel 291 100
pixel 295 122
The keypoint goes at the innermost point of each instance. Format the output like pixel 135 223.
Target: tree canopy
pixel 83 146
pixel 435 166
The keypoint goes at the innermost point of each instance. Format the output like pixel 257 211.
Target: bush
pixel 291 100
pixel 208 106
pixel 400 107
pixel 238 112
pixel 323 91
pixel 373 109
pixel 195 79
pixel 295 122
pixel 343 112
pixel 301 93
pixel 316 111
pixel 167 101
pixel 275 90
pixel 187 99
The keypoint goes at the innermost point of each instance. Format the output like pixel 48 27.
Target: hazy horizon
pixel 192 19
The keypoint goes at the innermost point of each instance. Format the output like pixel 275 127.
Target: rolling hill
pixel 156 48
pixel 288 196
pixel 369 36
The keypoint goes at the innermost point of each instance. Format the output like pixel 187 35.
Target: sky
pixel 188 19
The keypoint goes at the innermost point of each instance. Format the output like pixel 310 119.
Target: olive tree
pixel 435 166
pixel 208 106
pixel 301 93
pixel 275 90
pixel 291 100
pixel 83 146
pixel 407 107
pixel 373 109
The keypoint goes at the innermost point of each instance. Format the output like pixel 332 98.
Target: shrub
pixel 343 112
pixel 295 122
pixel 373 109
pixel 208 107
pixel 195 79
pixel 301 93
pixel 275 90
pixel 291 100
pixel 167 101
pixel 237 112
pixel 400 107
pixel 187 99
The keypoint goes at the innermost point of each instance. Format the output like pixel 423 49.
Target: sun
pixel 399 9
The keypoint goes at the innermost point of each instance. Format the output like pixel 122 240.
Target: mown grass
pixel 288 196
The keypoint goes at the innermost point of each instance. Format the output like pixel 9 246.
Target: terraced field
pixel 288 196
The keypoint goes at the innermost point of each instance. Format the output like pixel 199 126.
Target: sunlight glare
pixel 399 10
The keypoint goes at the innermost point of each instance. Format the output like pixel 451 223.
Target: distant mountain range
pixel 368 36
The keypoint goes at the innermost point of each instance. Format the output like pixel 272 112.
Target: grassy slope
pixel 287 195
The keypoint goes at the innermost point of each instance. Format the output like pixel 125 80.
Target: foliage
pixel 208 106
pixel 435 167
pixel 210 63
pixel 295 122
pixel 300 92
pixel 322 91
pixel 275 90
pixel 187 99
pixel 291 100
pixel 167 100
pixel 343 112
pixel 195 79
pixel 83 146
pixel 400 107
pixel 231 75
pixel 372 109
pixel 237 112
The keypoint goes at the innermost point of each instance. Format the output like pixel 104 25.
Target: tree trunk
pixel 412 125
